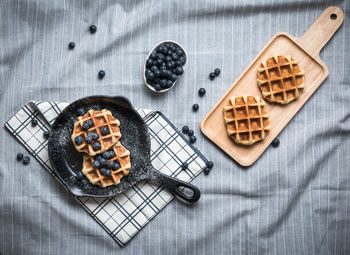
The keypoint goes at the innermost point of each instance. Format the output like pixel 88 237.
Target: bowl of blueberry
pixel 164 65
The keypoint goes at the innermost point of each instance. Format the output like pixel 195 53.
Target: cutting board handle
pixel 316 37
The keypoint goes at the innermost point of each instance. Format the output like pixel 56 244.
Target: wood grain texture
pixel 305 50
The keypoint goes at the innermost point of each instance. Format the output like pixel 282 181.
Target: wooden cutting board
pixel 305 50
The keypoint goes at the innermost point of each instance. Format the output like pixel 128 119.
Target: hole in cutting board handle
pixel 333 16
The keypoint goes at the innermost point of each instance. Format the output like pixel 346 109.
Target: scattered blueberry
pixel 110 164
pixel 79 176
pixel 206 170
pixel 105 155
pixel 103 170
pixel 108 172
pixel 88 139
pixel 46 134
pixel 157 87
pixel 193 139
pixel 90 123
pixel 190 132
pixel 101 74
pixel 95 136
pixel 111 154
pixel 81 111
pixel 201 92
pixel 217 71
pixel 185 129
pixel 103 162
pixel 96 146
pixel 78 140
pixel 210 164
pixel 212 76
pixel 275 142
pixel 195 107
pixel 116 166
pixel 34 122
pixel 184 165
pixel 86 126
pixel 71 45
pixel 105 130
pixel 92 29
pixel 19 156
pixel 96 164
pixel 26 160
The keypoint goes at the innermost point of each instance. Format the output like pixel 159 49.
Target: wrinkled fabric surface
pixel 293 200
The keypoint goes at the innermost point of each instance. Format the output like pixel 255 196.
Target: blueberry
pixel 103 170
pixel 79 176
pixel 108 172
pixel 90 123
pixel 163 83
pixel 95 136
pixel 110 164
pixel 185 129
pixel 162 67
pixel 172 47
pixel 169 53
pixel 19 156
pixel 168 59
pixel 275 142
pixel 193 139
pixel 154 68
pixel 169 73
pixel 156 80
pixel 179 52
pixel 92 29
pixel 201 92
pixel 26 160
pixel 157 87
pixel 182 60
pixel 168 45
pixel 179 70
pixel 71 45
pixel 178 63
pixel 78 140
pixel 149 62
pixel 98 157
pixel 164 73
pixel 170 65
pixel 103 162
pixel 96 164
pixel 34 122
pixel 112 154
pixel 210 164
pixel 159 62
pixel 88 139
pixel 190 132
pixel 153 56
pixel 212 76
pixel 81 111
pixel 165 49
pixel 174 56
pixel 206 170
pixel 161 56
pixel 156 74
pixel 150 76
pixel 173 77
pixel 217 71
pixel 46 134
pixel 104 130
pixel 169 84
pixel 116 166
pixel 101 74
pixel 85 126
pixel 96 146
pixel 105 155
pixel 184 165
pixel 195 107
pixel 160 48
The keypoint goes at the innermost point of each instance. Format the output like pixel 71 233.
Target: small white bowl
pixel 149 54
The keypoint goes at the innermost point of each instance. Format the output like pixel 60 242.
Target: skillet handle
pixel 173 185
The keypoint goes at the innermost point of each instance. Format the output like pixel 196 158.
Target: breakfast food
pixel 280 79
pixel 95 132
pixel 107 169
pixel 164 65
pixel 246 119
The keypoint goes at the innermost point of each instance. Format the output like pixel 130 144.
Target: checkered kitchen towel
pixel 124 215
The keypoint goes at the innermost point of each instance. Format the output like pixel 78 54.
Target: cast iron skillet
pixel 66 161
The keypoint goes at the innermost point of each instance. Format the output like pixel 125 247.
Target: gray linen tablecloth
pixel 294 200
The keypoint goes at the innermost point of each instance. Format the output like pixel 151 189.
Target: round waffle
pixel 101 121
pixel 246 119
pixel 280 79
pixel 94 175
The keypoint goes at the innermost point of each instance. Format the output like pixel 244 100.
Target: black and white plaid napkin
pixel 123 215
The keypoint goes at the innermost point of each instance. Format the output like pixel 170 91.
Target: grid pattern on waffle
pixel 122 155
pixel 122 216
pixel 280 79
pixel 100 119
pixel 246 119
